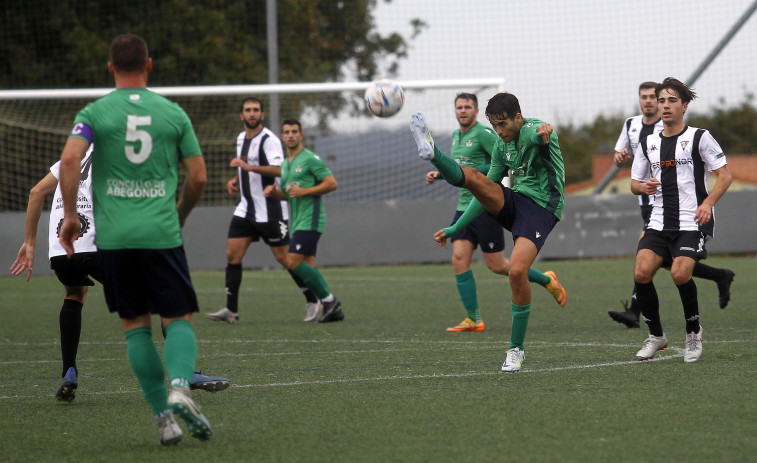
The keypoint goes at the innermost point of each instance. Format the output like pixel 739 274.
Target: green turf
pixel 389 384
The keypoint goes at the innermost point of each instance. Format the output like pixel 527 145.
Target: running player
pixel 634 129
pixel 672 166
pixel 141 138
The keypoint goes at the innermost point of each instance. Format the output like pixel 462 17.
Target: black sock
pixel 708 273
pixel 233 282
pixel 646 294
pixel 688 293
pixel 70 331
pixel 309 295
pixel 634 307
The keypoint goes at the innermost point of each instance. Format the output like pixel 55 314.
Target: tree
pixel 209 42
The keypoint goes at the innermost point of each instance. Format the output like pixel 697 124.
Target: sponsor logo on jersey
pixel 83 222
pixel 672 163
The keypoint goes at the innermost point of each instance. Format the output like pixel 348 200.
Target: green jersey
pixel 536 168
pixel 306 170
pixel 140 138
pixel 472 149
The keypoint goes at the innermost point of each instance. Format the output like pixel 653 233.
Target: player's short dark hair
pixel 646 85
pixel 247 100
pixel 502 104
pixel 128 53
pixel 467 96
pixel 671 83
pixel 291 121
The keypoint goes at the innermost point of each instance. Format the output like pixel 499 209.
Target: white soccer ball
pixel 384 97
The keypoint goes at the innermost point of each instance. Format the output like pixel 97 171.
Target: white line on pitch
pixel 679 354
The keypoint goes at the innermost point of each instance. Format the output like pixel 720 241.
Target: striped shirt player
pixel 264 149
pixel 84 208
pixel 634 129
pixel 682 164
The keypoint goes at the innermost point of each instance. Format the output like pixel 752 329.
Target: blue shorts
pixel 523 217
pixel 484 231
pixel 304 242
pixel 77 270
pixel 670 245
pixel 147 281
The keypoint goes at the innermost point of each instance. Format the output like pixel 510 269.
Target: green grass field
pixel 389 384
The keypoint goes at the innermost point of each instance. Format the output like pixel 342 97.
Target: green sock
pixel 535 276
pixel 466 286
pixel 313 280
pixel 520 324
pixel 180 350
pixel 146 363
pixel 448 168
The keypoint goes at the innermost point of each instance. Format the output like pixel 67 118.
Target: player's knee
pixel 290 262
pixel 76 293
pixel 281 260
pixel 680 276
pixel 233 257
pixel 518 275
pixel 500 267
pixel 642 275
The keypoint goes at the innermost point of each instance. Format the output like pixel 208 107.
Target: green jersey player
pixel 304 180
pixel 141 137
pixel 530 209
pixel 472 146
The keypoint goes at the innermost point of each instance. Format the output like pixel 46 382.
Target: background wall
pixel 394 232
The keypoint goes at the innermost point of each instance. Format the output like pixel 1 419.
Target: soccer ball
pixel 384 97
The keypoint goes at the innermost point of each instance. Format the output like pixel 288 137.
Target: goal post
pixel 373 159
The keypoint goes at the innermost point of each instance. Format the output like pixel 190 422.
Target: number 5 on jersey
pixel 134 134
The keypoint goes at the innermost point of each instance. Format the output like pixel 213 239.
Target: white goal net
pixel 373 159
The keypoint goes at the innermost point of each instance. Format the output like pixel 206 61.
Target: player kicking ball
pixel 529 149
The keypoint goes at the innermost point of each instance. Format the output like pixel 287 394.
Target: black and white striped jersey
pixel 682 164
pixel 264 149
pixel 634 129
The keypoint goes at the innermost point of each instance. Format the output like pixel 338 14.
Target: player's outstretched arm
pixel 25 259
pixel 474 210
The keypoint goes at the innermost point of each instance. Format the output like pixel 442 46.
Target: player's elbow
pixel 198 179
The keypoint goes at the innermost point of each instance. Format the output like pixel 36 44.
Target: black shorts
pixel 77 270
pixel 484 231
pixel 148 281
pixel 275 233
pixel 646 213
pixel 670 245
pixel 523 217
pixel 304 242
